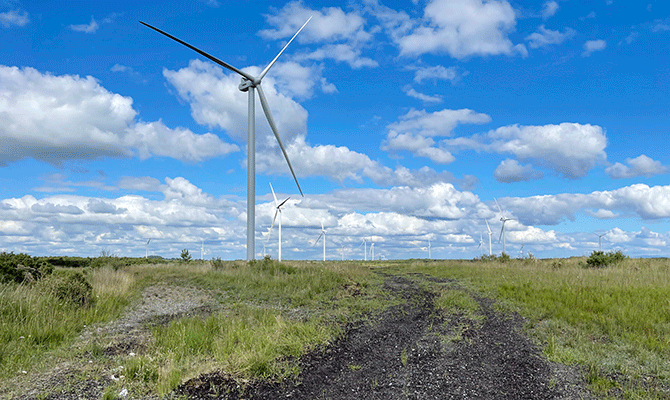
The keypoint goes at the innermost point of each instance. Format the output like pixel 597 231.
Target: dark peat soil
pixel 402 354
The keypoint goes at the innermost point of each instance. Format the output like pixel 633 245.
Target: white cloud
pixel 327 25
pixel 549 9
pixel 414 132
pixel 86 28
pixel 593 45
pixel 58 118
pixel 423 97
pixel 639 166
pixel 216 101
pixel 511 171
pixel 341 52
pixel 14 17
pixel 463 28
pixel 569 149
pixel 660 26
pixel 435 73
pixel 545 37
pixel 156 139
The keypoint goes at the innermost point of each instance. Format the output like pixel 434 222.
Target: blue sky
pixel 403 122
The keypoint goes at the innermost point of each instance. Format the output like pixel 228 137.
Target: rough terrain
pixel 409 351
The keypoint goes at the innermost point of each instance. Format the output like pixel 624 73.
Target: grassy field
pixel 613 323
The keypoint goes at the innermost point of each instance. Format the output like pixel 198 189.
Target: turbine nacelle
pixel 246 84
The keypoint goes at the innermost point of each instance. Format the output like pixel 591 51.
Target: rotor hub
pixel 246 84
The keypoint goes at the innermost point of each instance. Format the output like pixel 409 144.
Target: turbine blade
pixel 499 209
pixel 273 221
pixel 216 60
pixel 265 71
pixel 317 240
pixel 282 203
pixel 501 231
pixel 266 110
pixel 322 225
pixel 488 227
pixel 273 194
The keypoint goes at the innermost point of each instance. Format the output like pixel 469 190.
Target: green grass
pixel 35 321
pixel 612 321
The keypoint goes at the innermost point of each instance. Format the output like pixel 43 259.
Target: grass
pixel 35 321
pixel 613 322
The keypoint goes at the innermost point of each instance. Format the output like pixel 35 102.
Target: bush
pixel 185 255
pixel 504 257
pixel 217 263
pixel 22 268
pixel 599 259
pixel 75 288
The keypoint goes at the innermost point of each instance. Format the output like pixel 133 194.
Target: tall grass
pixel 612 321
pixel 34 320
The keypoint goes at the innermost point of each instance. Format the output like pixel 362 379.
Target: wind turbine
pixel 323 233
pixel 248 84
pixel 372 251
pixel 278 207
pixel 490 234
pixel 503 219
pixel 364 243
pixel 481 244
pixel 600 244
pixel 146 253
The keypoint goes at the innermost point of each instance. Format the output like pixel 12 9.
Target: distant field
pixel 613 323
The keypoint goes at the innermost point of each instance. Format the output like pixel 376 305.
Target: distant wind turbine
pixel 429 257
pixel 503 219
pixel 600 244
pixel 490 234
pixel 278 207
pixel 249 83
pixel 481 244
pixel 372 251
pixel 146 253
pixel 323 233
pixel 364 243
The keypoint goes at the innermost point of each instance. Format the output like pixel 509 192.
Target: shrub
pixel 185 255
pixel 75 288
pixel 21 268
pixel 599 259
pixel 217 263
pixel 504 257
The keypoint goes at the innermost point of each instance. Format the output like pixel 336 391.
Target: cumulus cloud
pixel 593 45
pixel 569 149
pixel 549 9
pixel 420 96
pixel 216 101
pixel 463 28
pixel 415 130
pixel 14 17
pixel 545 37
pixel 639 166
pixel 511 171
pixel 58 118
pixel 435 73
pixel 91 27
pixel 341 34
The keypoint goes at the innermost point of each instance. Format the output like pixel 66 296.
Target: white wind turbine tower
pixel 364 243
pixel 249 83
pixel 146 253
pixel 503 219
pixel 490 234
pixel 372 251
pixel 278 207
pixel 600 243
pixel 323 233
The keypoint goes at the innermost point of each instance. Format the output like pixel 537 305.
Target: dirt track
pixel 402 354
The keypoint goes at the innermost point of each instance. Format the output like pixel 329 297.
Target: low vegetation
pixel 611 320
